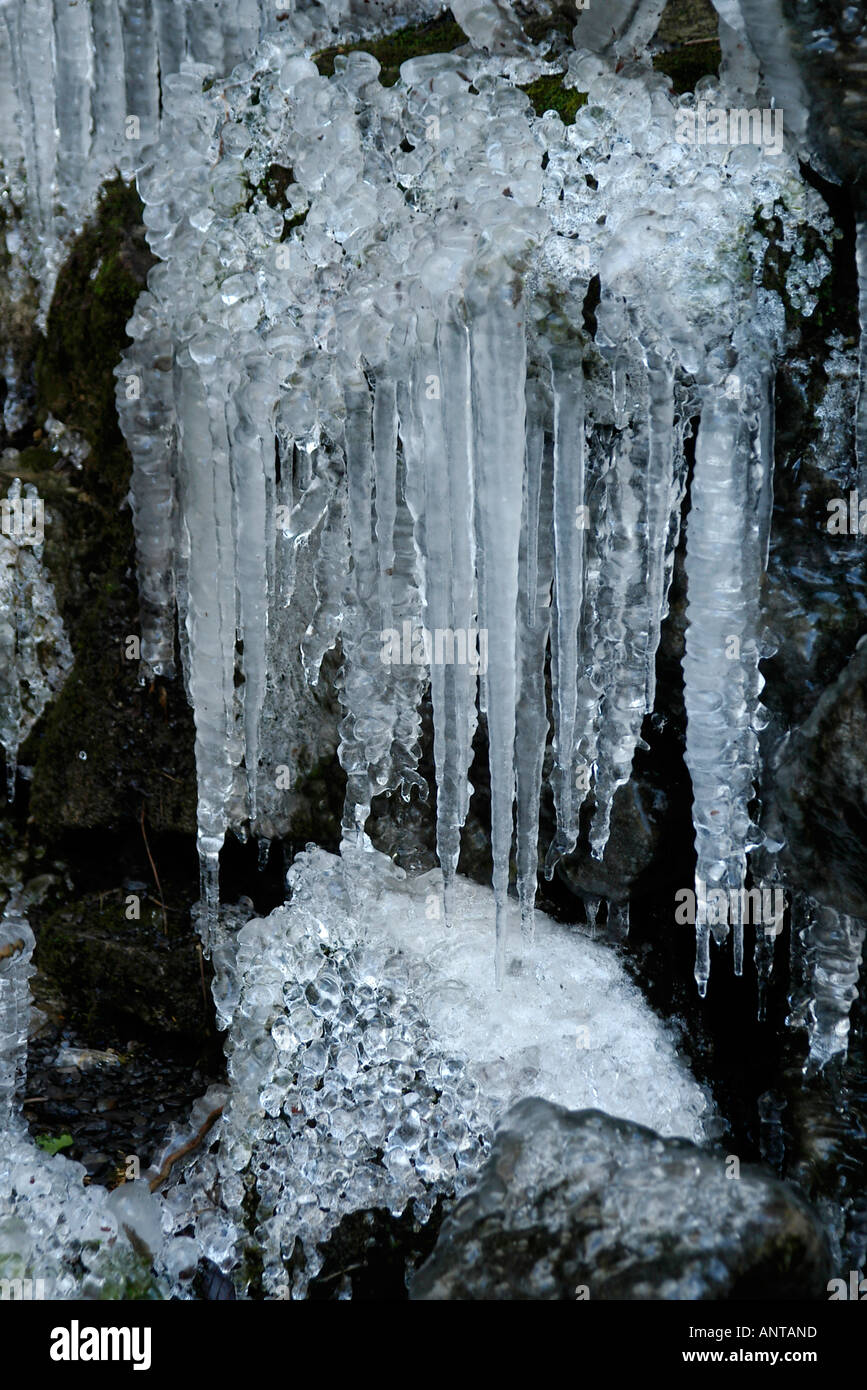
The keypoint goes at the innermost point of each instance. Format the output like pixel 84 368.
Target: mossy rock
pixel 549 94
pixel 440 35
pixel 107 746
pixel 686 66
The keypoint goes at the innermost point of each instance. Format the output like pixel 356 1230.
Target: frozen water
pixel 420 299
pixel 826 956
pixel 65 1239
pixel 35 655
pixel 370 1054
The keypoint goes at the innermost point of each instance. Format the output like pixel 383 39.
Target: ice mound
pixel 370 1055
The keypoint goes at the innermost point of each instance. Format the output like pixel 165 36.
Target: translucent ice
pixel 370 1054
pixel 408 330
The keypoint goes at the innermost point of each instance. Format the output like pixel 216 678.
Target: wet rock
pixel 112 1115
pixel 575 1204
pixel 819 803
pixel 812 58
pixel 131 978
pixel 636 822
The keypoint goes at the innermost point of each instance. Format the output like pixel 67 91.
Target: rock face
pixel 575 1204
pixel 819 803
pixel 132 978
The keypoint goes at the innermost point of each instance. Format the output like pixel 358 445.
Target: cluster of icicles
pixel 387 384
pixel 387 372
pixel 60 139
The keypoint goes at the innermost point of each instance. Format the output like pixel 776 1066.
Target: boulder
pixel 576 1205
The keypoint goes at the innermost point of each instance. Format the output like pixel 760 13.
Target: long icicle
pixel 499 366
pixel 534 625
pixel 567 373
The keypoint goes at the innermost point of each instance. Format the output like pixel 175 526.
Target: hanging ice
pixel 16 948
pixel 35 651
pixel 409 327
pixel 727 536
pixel 826 951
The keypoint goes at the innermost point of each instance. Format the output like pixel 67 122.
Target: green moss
pixel 52 1144
pixel 86 331
pixel 549 94
pixel 126 1275
pixel 685 66
pixel 441 35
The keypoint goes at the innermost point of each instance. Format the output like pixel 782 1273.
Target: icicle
pixel 363 730
pixel 252 431
pixel 499 415
pixel 140 66
pixel 861 416
pixel 645 490
pixel 385 468
pixel 204 35
pixel 16 947
pixel 397 587
pixel 766 933
pixel 206 499
pixel 332 563
pixel 569 530
pixel 108 98
pixel 620 655
pixel 146 410
pixel 536 578
pixel 11 143
pixel 171 24
pixel 726 550
pixel 665 481
pixel 436 442
pixel 33 57
pixel 463 671
pixel 72 32
pixel 827 948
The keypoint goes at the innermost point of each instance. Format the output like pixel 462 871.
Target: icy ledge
pixel 370 1055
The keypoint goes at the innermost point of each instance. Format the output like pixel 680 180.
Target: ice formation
pixel 826 957
pixel 60 139
pixel 399 350
pixel 370 1056
pixel 60 1238
pixel 35 655
pixel 368 1063
pixel 397 372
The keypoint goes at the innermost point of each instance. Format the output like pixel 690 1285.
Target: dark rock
pixel 636 819
pixel 130 978
pixel 812 58
pixel 580 1205
pixel 818 802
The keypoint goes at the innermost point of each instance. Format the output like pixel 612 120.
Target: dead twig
pixel 186 1148
pixel 202 974
pixel 154 871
